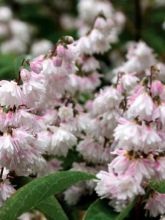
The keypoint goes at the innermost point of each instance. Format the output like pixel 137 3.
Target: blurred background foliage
pixel 144 21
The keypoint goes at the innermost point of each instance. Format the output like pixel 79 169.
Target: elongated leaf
pixel 158 186
pixel 100 210
pixel 52 209
pixel 30 195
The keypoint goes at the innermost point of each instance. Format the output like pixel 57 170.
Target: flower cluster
pixel 138 138
pixel 16 35
pixel 56 107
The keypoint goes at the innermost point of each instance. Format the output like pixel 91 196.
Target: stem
pixel 138 19
pixel 1 173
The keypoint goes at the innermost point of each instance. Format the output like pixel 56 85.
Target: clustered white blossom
pixel 40 113
pixel 99 22
pixel 16 35
pixel 138 138
pixel 43 117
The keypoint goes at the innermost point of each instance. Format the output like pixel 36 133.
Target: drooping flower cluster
pixel 138 138
pixel 45 115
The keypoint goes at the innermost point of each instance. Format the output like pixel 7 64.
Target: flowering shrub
pixel 106 130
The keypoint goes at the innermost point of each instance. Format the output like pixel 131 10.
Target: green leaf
pixel 100 210
pixel 33 193
pixel 158 186
pixel 52 209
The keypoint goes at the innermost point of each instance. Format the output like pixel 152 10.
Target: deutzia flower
pixel 62 141
pixel 6 190
pixel 141 106
pixel 120 187
pixel 21 151
pixel 10 94
pixel 156 204
pixel 105 100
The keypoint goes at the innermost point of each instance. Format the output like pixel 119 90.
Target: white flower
pixel 6 190
pixel 106 100
pixel 90 64
pixel 159 113
pixel 141 106
pixel 156 204
pixel 5 14
pixel 120 187
pixel 73 194
pixel 65 113
pixel 20 30
pixel 160 167
pixel 128 81
pixel 41 47
pixel 90 150
pixel 20 152
pixel 10 94
pixel 44 137
pixel 127 133
pixel 13 45
pixel 139 168
pixel 33 88
pixel 62 141
pixel 149 138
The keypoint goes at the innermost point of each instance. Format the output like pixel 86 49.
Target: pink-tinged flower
pixel 108 122
pixel 139 58
pixel 10 94
pixel 24 118
pixel 44 137
pixel 33 88
pixel 62 141
pixel 21 152
pixel 83 84
pixel 156 204
pixel 157 88
pixel 127 133
pixel 6 120
pixel 128 82
pixel 106 100
pixel 6 190
pixel 84 45
pixel 132 136
pixel 90 150
pixel 125 164
pixel 98 41
pixel 36 64
pixel 89 64
pixel 159 167
pixel 159 113
pixel 120 187
pixel 49 117
pixel 142 106
pixel 149 138
pixel 89 125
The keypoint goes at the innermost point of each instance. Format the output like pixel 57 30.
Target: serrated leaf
pixel 33 193
pixel 158 186
pixel 100 210
pixel 52 209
